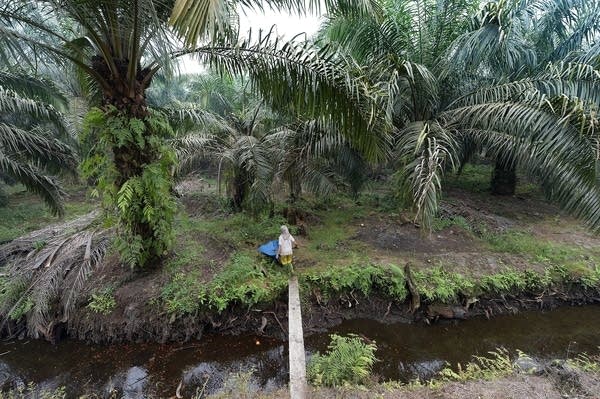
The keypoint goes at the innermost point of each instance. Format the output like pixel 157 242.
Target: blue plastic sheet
pixel 269 248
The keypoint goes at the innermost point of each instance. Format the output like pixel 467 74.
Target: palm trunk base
pixel 504 180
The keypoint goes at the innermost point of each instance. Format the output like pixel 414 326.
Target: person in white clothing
pixel 284 250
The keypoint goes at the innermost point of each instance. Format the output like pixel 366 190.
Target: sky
pixel 287 26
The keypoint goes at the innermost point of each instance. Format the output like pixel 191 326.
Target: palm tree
pixel 34 137
pixel 485 91
pixel 511 41
pixel 237 143
pixel 254 147
pixel 121 45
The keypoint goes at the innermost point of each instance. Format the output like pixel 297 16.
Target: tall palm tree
pixel 252 145
pixel 120 45
pixel 236 143
pixel 34 137
pixel 486 91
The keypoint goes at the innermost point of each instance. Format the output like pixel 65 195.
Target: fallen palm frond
pixel 44 272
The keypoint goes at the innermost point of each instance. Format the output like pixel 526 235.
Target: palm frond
pixel 569 79
pixel 12 103
pixel 27 86
pixel 312 81
pixel 54 276
pixel 35 181
pixel 195 20
pixel 39 147
pixel 425 150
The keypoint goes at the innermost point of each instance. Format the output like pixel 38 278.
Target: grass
pixel 540 250
pixel 476 178
pixel 440 224
pixel 473 177
pixel 25 212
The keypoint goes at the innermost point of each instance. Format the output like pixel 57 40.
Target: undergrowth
pixel 34 391
pixel 24 213
pixel 243 282
pixel 439 285
pixel 103 301
pixel 388 280
pixel 498 364
pixel 348 360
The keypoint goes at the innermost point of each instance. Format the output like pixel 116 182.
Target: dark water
pixel 405 351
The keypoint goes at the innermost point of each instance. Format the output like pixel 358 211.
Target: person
pixel 284 250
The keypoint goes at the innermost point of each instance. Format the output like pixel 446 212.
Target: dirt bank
pixel 138 324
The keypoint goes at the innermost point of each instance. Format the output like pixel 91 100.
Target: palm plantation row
pixel 416 87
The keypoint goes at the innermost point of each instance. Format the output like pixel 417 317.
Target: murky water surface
pixel 405 351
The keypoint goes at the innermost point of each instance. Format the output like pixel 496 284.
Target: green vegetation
pixel 35 142
pixel 348 138
pixel 439 224
pixel 34 391
pixel 15 300
pixel 439 285
pixel 585 362
pixel 472 177
pixel 139 189
pixel 348 360
pixel 241 282
pixel 365 279
pixel 24 213
pixel 103 302
pixel 497 365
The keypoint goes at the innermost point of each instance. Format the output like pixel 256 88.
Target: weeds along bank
pixel 498 374
pixel 249 294
pixel 351 263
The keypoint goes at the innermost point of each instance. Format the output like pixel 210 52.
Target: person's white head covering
pixel 285 232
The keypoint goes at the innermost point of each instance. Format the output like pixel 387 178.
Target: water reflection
pixel 405 351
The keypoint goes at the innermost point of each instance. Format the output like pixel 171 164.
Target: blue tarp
pixel 269 249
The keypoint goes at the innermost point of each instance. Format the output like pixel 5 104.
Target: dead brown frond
pixel 51 266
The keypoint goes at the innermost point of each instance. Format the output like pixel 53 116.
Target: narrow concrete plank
pixel 296 343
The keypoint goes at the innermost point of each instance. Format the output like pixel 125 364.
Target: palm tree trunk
pixel 504 179
pixel 239 191
pixel 291 213
pixel 127 99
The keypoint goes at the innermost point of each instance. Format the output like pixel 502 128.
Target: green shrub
pixel 184 294
pixel 103 301
pixel 438 285
pixel 348 360
pixel 243 281
pixel 363 278
pixel 504 282
pixel 498 364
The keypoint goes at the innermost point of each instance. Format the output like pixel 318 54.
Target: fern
pixel 140 198
pixel 348 360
